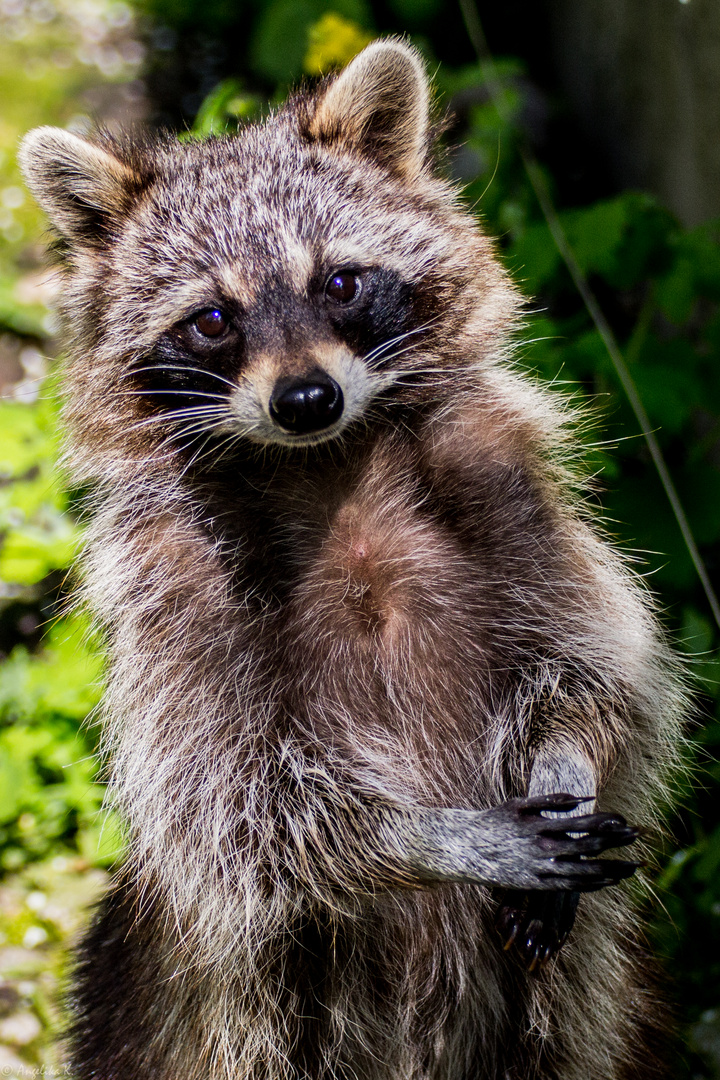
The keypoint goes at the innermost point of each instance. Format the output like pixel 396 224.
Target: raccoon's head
pixel 277 286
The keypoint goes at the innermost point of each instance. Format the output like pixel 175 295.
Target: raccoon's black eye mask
pixel 368 306
pixel 343 289
pixel 364 307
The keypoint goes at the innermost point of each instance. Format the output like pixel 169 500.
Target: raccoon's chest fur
pixel 385 611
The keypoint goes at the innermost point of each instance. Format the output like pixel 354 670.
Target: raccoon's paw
pixel 512 846
pixel 554 853
pixel 536 924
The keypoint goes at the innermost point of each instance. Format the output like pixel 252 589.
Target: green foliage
pixel 51 54
pixel 47 768
pixel 38 536
pixel 226 109
pixel 49 682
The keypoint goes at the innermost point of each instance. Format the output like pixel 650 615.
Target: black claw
pixel 541 924
pixel 596 886
pixel 508 924
pixel 619 868
pixel 571 840
pixel 588 875
pixel 557 802
pixel 510 941
pixel 612 822
pixel 608 826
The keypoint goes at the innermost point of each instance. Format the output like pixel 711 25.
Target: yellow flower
pixel 333 41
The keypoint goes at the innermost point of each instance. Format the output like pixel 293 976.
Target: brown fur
pixel 334 657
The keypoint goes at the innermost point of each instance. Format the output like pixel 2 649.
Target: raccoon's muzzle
pixel 304 405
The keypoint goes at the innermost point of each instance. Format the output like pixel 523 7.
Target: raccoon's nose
pixel 304 405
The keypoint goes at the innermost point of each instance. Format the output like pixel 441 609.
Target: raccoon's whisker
pixel 193 431
pixel 229 443
pixel 201 452
pixel 423 369
pixel 400 352
pixel 189 464
pixel 222 406
pixel 175 415
pixel 174 393
pixel 218 450
pixel 179 367
pixel 404 376
pixel 215 448
pixel 190 433
pixel 172 436
pixel 391 377
pixel 379 351
pixel 437 369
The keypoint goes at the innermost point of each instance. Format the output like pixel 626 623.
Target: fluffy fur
pixel 334 655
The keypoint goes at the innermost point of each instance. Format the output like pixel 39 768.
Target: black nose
pixel 304 405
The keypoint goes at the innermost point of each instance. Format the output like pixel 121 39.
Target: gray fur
pixel 339 661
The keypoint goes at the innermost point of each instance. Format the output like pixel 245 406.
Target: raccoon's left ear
pixel 81 185
pixel 379 106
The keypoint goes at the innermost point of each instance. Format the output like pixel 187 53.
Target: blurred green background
pixel 619 130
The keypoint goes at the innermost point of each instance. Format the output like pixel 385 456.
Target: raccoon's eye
pixel 344 287
pixel 211 323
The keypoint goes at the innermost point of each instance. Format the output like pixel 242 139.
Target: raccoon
pixel 370 660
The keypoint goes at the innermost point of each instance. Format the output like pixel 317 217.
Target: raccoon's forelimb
pixel 515 847
pixel 542 842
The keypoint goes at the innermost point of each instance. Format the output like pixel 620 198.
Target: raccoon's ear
pixel 81 186
pixel 379 106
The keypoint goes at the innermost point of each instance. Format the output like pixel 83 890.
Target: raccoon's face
pixel 279 286
pixel 296 374
pixel 291 358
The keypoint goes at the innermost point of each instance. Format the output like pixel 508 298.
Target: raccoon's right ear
pixel 379 106
pixel 80 185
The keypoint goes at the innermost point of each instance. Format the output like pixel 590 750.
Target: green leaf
pixel 30 552
pixel 415 12
pixel 700 488
pixel 708 864
pixel 28 439
pixel 667 386
pixel 696 632
pixel 595 234
pixel 701 248
pixel 534 259
pixel 102 839
pixel 224 109
pixel 675 292
pixel 17 780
